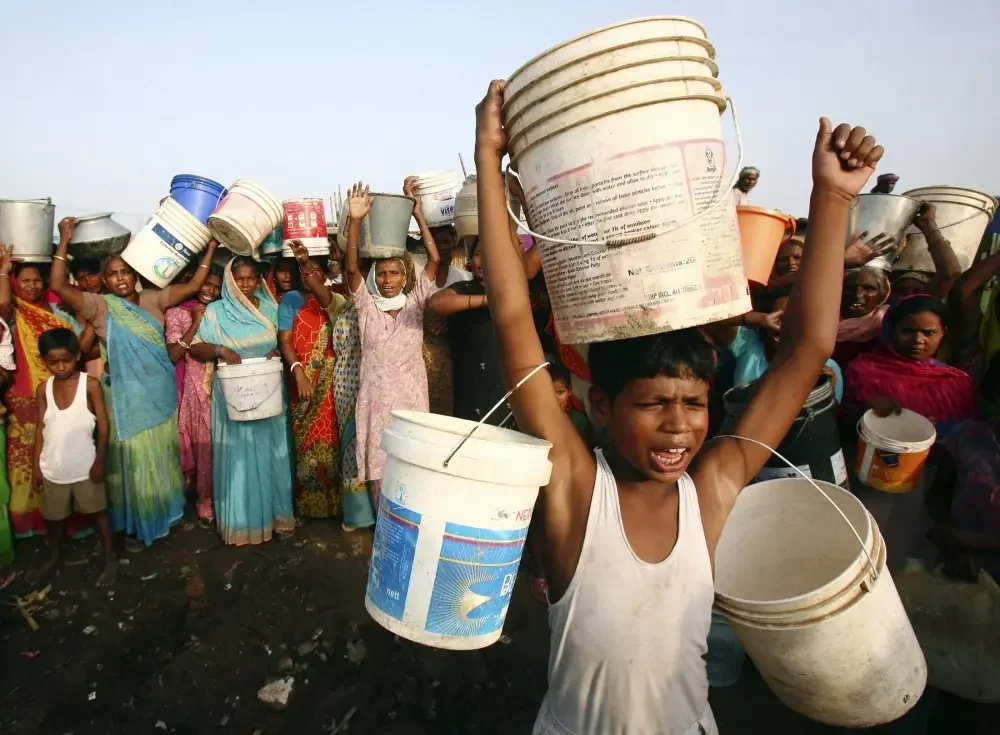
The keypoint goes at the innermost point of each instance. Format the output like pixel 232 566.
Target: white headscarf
pixel 391 304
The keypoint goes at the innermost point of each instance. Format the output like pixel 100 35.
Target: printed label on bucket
pixel 392 557
pixel 171 241
pixel 475 578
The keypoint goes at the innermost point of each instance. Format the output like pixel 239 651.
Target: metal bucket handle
pixel 720 197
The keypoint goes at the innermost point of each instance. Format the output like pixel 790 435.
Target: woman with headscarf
pixel 390 322
pixel 862 308
pixel 194 393
pixel 252 473
pixel 902 371
pixel 143 474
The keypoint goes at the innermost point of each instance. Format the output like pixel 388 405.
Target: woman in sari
pixel 305 336
pixel 194 394
pixel 143 475
pixel 23 304
pixel 252 473
pixel 902 373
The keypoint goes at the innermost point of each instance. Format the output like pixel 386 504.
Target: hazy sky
pixel 102 102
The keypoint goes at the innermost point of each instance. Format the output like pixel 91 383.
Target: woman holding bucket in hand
pixel 632 661
pixel 390 322
pixel 143 476
pixel 252 472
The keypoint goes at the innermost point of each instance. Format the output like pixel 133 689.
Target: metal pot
pixel 98 236
pixel 882 214
pixel 28 224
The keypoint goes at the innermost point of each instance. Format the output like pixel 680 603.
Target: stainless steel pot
pixel 28 224
pixel 98 236
pixel 882 214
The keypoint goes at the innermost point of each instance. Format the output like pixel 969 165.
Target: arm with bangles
pixel 178 293
pixel 946 266
pixel 6 292
pixel 438 270
pixel 59 276
pixel 182 345
pixel 964 300
pixel 359 204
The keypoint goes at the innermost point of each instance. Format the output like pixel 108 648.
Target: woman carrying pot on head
pixel 251 468
pixel 194 393
pixel 143 477
pixel 390 323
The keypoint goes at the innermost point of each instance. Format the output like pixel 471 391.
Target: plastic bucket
pixel 198 195
pixel 272 244
pixel 812 443
pixel 618 141
pixel 467 209
pixel 171 239
pixel 252 389
pixel 893 450
pixel 384 229
pixel 245 217
pixel 829 636
pixel 448 539
pixel 305 220
pixel 435 191
pixel 762 231
pixel 962 216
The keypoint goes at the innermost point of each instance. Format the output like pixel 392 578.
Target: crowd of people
pixel 115 413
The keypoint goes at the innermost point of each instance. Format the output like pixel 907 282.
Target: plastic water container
pixel 467 209
pixel 449 538
pixel 305 220
pixel 245 217
pixel 618 140
pixel 436 192
pixel 962 216
pixel 252 389
pixel 198 195
pixel 893 450
pixel 762 231
pixel 171 239
pixel 272 243
pixel 815 608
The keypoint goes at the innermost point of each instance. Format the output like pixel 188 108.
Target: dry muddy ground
pixel 193 630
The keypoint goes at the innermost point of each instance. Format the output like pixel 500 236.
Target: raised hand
pixel 299 251
pixel 6 259
pixel 861 251
pixel 66 225
pixel 410 187
pixel 490 135
pixel 926 220
pixel 843 159
pixel 359 201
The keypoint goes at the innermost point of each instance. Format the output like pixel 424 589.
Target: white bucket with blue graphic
pixel 169 241
pixel 449 539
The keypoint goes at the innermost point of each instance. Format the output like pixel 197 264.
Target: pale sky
pixel 102 102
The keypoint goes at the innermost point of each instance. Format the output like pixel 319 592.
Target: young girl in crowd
pixel 390 324
pixel 143 475
pixel 194 393
pixel 252 473
pixel 633 660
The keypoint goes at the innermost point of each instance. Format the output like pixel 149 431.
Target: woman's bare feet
pixel 37 575
pixel 110 573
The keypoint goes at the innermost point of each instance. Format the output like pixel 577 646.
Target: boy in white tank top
pixel 630 536
pixel 71 441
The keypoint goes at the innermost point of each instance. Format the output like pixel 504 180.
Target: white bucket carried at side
pixel 617 138
pixel 305 220
pixel 252 389
pixel 449 537
pixel 892 450
pixel 435 192
pixel 245 217
pixel 815 608
pixel 962 216
pixel 171 239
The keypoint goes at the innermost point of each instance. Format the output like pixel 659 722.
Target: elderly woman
pixel 863 304
pixel 390 323
pixel 252 473
pixel 902 373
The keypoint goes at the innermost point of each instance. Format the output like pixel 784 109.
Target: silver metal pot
pixel 882 214
pixel 28 224
pixel 98 236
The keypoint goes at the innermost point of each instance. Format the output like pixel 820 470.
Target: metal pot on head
pixel 98 236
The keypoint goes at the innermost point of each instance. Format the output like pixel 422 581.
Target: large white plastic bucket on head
pixel 252 389
pixel 245 217
pixel 305 220
pixel 448 539
pixel 435 192
pixel 617 138
pixel 171 239
pixel 962 216
pixel 829 636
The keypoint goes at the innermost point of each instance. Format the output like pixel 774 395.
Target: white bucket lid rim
pixel 874 429
pixel 172 212
pixel 255 191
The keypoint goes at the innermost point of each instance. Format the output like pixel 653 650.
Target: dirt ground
pixel 193 629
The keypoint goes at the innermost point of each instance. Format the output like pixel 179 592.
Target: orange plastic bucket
pixel 892 450
pixel 762 231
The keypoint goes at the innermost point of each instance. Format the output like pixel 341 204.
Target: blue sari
pixel 252 470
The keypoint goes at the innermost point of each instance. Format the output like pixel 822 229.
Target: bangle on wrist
pixel 218 351
pixel 204 265
pixel 184 344
pixel 59 257
pixel 295 365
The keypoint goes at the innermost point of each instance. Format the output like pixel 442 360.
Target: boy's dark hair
pixel 217 270
pixel 58 339
pixel 85 265
pixel 684 353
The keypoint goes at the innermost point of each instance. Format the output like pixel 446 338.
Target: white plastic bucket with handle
pixel 252 389
pixel 171 239
pixel 617 138
pixel 962 216
pixel 892 450
pixel 816 608
pixel 245 217
pixel 435 192
pixel 449 537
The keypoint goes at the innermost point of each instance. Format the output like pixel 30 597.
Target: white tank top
pixel 68 448
pixel 628 639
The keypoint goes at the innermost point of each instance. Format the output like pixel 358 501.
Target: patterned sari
pixel 252 471
pixel 314 422
pixel 30 321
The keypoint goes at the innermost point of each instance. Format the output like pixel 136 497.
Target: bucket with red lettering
pixel 450 532
pixel 305 220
